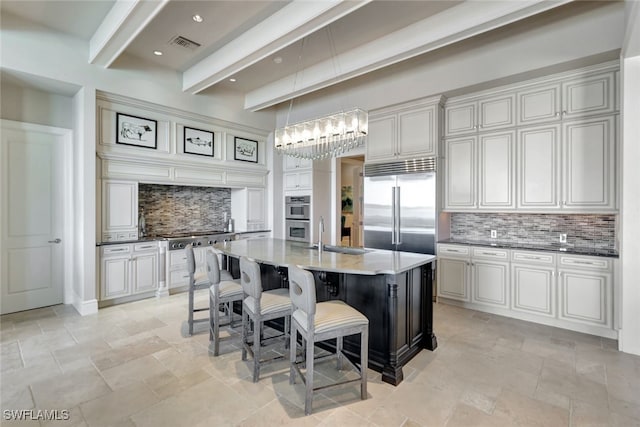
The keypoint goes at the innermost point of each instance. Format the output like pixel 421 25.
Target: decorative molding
pixel 85 308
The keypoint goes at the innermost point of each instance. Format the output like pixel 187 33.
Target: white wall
pixel 629 336
pixel 29 105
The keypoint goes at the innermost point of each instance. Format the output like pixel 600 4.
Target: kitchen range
pixel 179 241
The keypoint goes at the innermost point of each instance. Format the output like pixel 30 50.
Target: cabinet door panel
pixel 120 205
pixel 539 104
pixel 417 132
pixel 256 205
pixel 460 119
pixel 145 273
pixel 533 289
pixel 490 283
pixel 588 172
pixel 593 95
pixel 453 279
pixel 585 297
pixel 496 170
pixel 115 277
pixel 497 112
pixel 460 173
pixel 381 140
pixel 538 163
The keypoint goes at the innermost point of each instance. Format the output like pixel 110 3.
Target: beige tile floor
pixel 130 365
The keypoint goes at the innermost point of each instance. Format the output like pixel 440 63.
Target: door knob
pixel 57 240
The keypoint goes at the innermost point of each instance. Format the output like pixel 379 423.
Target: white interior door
pixel 32 251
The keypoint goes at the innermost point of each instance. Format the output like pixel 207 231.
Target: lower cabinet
pixel 128 269
pixel 568 291
pixel 178 273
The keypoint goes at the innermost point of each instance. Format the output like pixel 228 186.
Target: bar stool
pixel 260 306
pixel 320 322
pixel 196 282
pixel 220 292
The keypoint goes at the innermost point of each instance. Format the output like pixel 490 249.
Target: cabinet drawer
pixel 453 250
pixel 177 258
pixel 116 249
pixel 583 262
pixel 501 254
pixel 145 246
pixel 179 277
pixel 533 257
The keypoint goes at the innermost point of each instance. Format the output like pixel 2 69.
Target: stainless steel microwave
pixel 298 230
pixel 298 207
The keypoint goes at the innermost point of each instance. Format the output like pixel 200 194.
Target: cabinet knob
pixel 557 114
pixel 564 112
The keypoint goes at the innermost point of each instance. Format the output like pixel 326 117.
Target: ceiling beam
pixel 452 25
pixel 123 23
pixel 288 25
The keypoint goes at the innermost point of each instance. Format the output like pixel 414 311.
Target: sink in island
pixel 393 289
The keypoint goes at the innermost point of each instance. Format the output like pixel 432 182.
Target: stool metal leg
pixel 308 399
pixel 245 333
pixel 364 362
pixel 293 343
pixel 190 319
pixel 216 327
pixel 339 352
pixel 257 332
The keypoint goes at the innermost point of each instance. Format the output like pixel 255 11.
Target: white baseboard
pixel 85 308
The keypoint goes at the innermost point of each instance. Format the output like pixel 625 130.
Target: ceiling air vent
pixel 184 42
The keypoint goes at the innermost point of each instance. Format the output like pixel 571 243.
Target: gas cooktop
pixel 197 238
pixel 183 234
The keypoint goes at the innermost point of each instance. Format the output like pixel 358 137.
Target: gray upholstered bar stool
pixel 260 306
pixel 320 322
pixel 220 292
pixel 197 281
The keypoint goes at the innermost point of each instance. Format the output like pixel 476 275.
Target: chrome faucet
pixel 320 231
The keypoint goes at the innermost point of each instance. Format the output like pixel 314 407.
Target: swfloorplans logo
pixel 36 414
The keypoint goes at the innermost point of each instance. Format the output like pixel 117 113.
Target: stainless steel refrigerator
pixel 399 209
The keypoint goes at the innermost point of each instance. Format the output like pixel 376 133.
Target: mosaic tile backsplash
pixel 174 209
pixel 588 231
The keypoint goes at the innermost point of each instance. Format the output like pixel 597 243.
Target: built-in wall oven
pixel 297 216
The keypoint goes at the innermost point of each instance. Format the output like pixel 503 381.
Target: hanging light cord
pixel 295 79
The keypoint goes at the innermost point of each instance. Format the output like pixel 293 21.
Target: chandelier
pixel 327 136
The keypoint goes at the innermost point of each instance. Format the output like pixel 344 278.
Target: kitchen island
pixel 393 289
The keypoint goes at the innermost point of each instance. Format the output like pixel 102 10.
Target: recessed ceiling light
pixel 197 18
pixel 232 80
pixel 157 53
pixel 277 60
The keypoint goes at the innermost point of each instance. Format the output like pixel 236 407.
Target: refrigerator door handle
pixel 393 215
pixel 398 216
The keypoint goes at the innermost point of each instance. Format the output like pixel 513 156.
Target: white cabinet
pixel 249 209
pixel 496 171
pixel 490 277
pixel 485 114
pixel 588 171
pixel 533 289
pixel 297 180
pixel 291 163
pixel 538 182
pixel 460 170
pixel 404 132
pixel 480 172
pixel 453 265
pixel 585 290
pixel 258 235
pixel 539 104
pixel 178 273
pixel 119 210
pixel 588 95
pixel 128 269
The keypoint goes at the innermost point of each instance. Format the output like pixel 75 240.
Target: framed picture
pixel 198 142
pixel 137 131
pixel 245 150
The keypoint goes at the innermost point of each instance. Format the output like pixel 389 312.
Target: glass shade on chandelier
pixel 327 136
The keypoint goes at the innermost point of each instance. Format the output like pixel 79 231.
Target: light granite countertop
pixel 285 253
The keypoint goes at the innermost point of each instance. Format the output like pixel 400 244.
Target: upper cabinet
pixel 544 145
pixel 294 163
pixel 404 131
pixel 119 210
pixel 481 115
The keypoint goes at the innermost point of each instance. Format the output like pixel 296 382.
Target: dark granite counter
pixel 551 247
pixel 139 240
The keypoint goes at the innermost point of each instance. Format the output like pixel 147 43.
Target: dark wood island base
pixel 399 308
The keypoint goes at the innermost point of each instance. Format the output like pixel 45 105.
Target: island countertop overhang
pixel 284 253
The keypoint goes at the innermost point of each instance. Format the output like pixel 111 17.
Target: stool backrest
pixel 191 259
pixel 250 277
pixel 302 290
pixel 213 268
